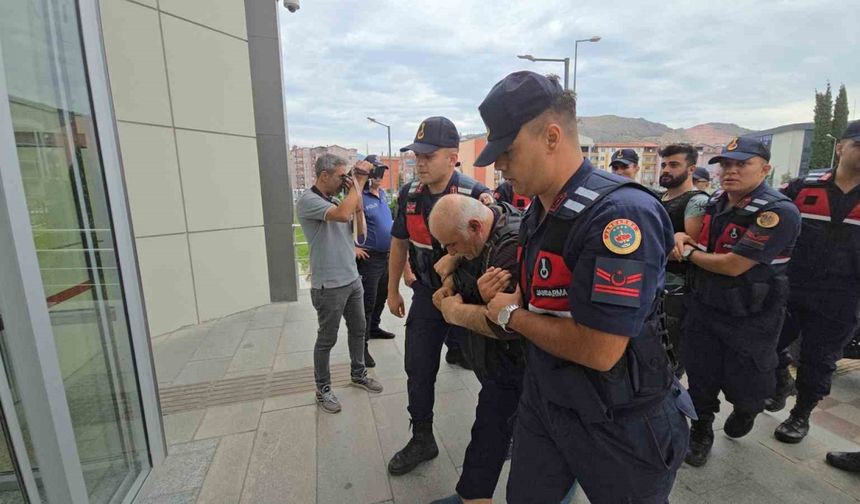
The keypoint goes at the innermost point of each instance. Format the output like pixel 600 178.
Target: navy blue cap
pixel 701 173
pixel 852 132
pixel 511 103
pixel 741 149
pixel 626 156
pixel 374 160
pixel 433 134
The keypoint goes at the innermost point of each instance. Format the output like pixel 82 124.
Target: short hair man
pixel 686 208
pixel 372 255
pixel 702 179
pixel 593 252
pixel 436 149
pixel 625 162
pixel 739 293
pixel 481 238
pixel 824 274
pixel 336 290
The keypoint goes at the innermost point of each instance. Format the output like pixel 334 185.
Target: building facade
pixel 143 187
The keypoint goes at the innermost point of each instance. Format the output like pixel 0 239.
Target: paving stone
pixel 230 419
pixel 745 491
pixel 835 424
pixel 189 497
pixel 339 478
pixel 431 480
pixel 299 360
pixel 222 341
pixel 846 482
pixel 180 427
pixel 267 318
pixel 223 483
pixel 701 480
pixel 392 385
pixel 179 473
pixel 284 461
pixel 289 401
pixel 204 445
pixel 298 336
pixel 453 418
pixel 257 350
pixel 846 412
pixel 202 371
pixel 174 352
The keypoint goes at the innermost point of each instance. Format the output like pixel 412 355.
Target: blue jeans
pixel 332 304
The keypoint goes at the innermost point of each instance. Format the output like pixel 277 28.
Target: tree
pixel 822 146
pixel 840 113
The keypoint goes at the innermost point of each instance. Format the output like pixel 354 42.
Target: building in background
pixel 790 148
pixel 302 160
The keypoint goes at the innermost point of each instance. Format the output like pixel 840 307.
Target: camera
pixel 292 5
pixel 378 172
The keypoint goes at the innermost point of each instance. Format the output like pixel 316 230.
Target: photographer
pixel 336 289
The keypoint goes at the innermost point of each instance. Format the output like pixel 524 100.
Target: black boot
pixel 739 423
pixel 421 447
pixel 784 388
pixel 796 427
pixel 847 461
pixel 368 360
pixel 701 440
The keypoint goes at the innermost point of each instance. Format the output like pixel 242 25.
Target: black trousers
pixel 825 332
pixel 631 459
pixel 734 354
pixel 491 432
pixel 426 331
pixel 374 279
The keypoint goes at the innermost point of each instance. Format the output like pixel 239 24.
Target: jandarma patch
pixel 767 220
pixel 622 236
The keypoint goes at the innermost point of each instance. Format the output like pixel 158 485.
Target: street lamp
pixel 833 156
pixel 575 54
pixel 390 174
pixel 566 61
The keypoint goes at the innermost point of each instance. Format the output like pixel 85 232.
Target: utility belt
pixel 738 297
pixel 639 380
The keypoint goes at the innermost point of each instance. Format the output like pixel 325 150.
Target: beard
pixel 670 182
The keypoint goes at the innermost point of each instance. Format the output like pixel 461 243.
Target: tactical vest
pixel 676 208
pixel 424 250
pixel 485 353
pixel 763 286
pixel 642 377
pixel 827 253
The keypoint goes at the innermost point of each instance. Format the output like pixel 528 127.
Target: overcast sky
pixel 682 63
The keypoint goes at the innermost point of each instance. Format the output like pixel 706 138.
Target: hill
pixel 612 128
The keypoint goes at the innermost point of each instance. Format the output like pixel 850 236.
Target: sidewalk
pixel 242 426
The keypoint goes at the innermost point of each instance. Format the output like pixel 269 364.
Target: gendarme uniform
pixel 824 274
pixel 733 322
pixel 598 257
pixel 426 330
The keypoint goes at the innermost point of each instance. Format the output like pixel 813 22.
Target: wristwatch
pixel 505 316
pixel 688 252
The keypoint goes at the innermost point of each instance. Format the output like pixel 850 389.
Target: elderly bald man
pixel 480 238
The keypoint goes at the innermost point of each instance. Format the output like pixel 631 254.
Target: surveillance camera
pixel 292 5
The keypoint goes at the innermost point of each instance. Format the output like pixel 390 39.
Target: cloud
pixel 673 61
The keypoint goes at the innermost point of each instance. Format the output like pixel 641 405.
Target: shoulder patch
pixel 767 220
pixel 618 281
pixel 622 236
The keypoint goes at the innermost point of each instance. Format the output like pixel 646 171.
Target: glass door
pixel 63 174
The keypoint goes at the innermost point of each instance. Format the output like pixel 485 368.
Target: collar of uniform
pixel 723 199
pixel 455 177
pixel 573 183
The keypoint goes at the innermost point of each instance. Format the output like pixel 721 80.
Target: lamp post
pixel 833 156
pixel 390 174
pixel 566 62
pixel 576 53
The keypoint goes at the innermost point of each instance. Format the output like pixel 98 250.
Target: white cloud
pixel 674 61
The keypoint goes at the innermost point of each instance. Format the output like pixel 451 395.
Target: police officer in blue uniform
pixel 739 291
pixel 436 149
pixel 599 403
pixel 371 255
pixel 824 274
pixel 505 193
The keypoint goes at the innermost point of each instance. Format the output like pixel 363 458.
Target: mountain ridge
pixel 613 128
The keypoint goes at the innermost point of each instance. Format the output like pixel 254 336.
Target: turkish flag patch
pixel 618 281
